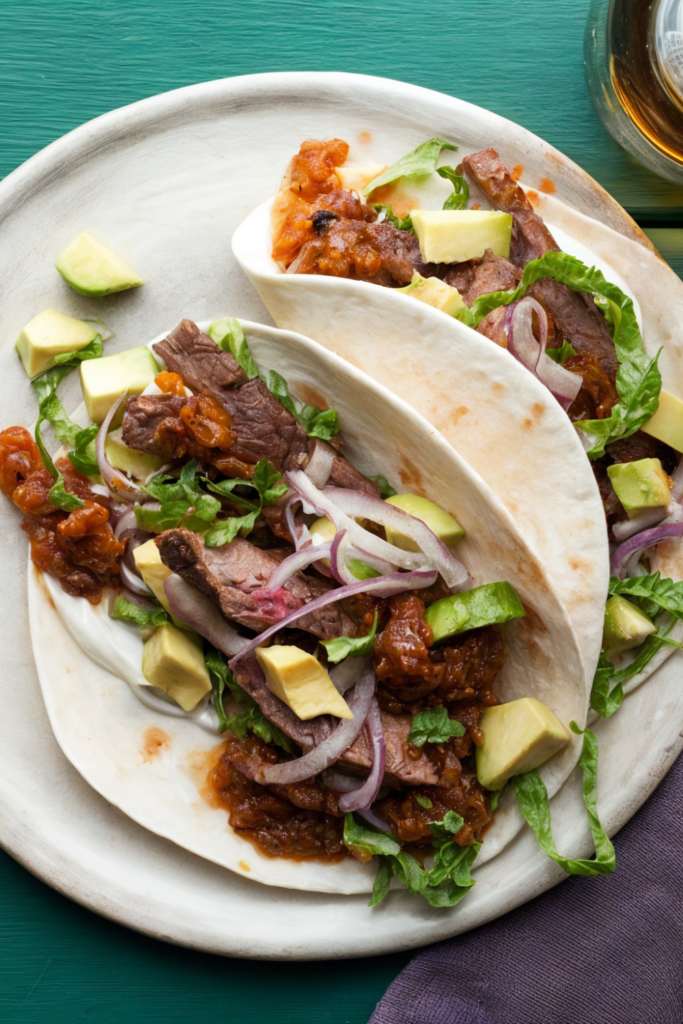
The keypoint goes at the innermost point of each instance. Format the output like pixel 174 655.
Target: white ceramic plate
pixel 165 182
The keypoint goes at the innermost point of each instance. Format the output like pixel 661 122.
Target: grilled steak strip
pixel 202 364
pixel 236 578
pixel 575 315
pixel 152 424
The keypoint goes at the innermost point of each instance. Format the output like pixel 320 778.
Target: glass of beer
pixel 634 66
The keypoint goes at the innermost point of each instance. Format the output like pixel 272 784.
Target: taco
pixel 329 683
pixel 522 309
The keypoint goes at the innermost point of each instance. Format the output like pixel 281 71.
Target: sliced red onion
pixel 677 482
pixel 294 563
pixel 197 611
pixel 117 509
pixel 127 521
pixel 330 749
pixel 136 599
pixel 380 564
pixel 373 819
pixel 647 539
pixel 120 487
pixel 364 797
pixel 299 538
pixel 320 463
pixel 338 554
pixel 359 505
pixel 344 506
pixel 522 344
pixel 384 586
pixel 158 472
pixel 347 672
pixel 132 581
pixel 630 527
pixel 339 782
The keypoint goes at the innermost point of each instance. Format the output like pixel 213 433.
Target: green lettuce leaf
pixel 228 334
pixel 93 350
pixel 178 495
pixel 269 486
pixel 562 354
pixel 250 718
pixel 651 594
pixel 367 840
pixel 461 192
pixel 402 223
pixel 50 409
pixel 418 163
pixel 434 726
pixel 638 382
pixel 356 647
pixel 129 612
pixel 533 802
pixel 386 490
pixel 83 456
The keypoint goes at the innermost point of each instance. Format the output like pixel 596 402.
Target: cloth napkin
pixel 606 950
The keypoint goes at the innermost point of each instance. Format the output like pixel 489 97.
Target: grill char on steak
pixel 236 578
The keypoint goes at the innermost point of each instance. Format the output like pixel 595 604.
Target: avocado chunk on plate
pixel 48 335
pixel 103 380
pixel 481 606
pixel 640 485
pixel 518 737
pixel 625 626
pixel 92 268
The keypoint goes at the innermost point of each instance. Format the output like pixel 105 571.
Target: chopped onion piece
pixel 522 344
pixel 384 586
pixel 646 539
pixel 201 614
pixel 332 747
pixel 120 487
pixel 364 797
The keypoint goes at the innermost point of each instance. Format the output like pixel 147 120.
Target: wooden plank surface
pixel 65 61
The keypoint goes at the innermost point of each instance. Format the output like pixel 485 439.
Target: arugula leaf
pixel 418 163
pixel 182 501
pixel 225 530
pixel 402 223
pixel 83 457
pixel 219 674
pixel 533 803
pixel 366 840
pixel 348 646
pixel 93 350
pixel 228 335
pixel 638 382
pixel 58 495
pixel 251 718
pixel 560 355
pixel 434 726
pixel 443 831
pixel 651 594
pixel 450 880
pixel 382 882
pixel 423 801
pixel 461 192
pixel 386 490
pixel 268 484
pixel 606 701
pixel 129 612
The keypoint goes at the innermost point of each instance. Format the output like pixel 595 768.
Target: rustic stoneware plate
pixel 166 182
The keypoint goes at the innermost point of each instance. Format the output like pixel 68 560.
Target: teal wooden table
pixel 66 61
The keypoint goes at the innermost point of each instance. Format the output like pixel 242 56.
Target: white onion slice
pixel 332 747
pixel 384 586
pixel 120 487
pixel 364 797
pixel 197 611
pixel 320 463
pixel 522 344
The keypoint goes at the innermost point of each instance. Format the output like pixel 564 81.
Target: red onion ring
pixel 646 539
pixel 332 747
pixel 340 782
pixel 320 463
pixel 127 521
pixel 119 485
pixel 364 796
pixel 202 615
pixel 522 344
pixel 630 527
pixel 294 563
pixel 385 586
pixel 373 819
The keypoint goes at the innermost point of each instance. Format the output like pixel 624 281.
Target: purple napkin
pixel 606 950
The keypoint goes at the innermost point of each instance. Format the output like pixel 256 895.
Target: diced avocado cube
pixel 481 606
pixel 173 661
pixel 299 680
pixel 518 737
pixel 48 335
pixel 322 531
pixel 354 178
pixel 453 236
pixel 138 464
pixel 625 626
pixel 640 485
pixel 104 380
pixel 154 572
pixel 91 267
pixel 437 519
pixel 667 423
pixel 434 292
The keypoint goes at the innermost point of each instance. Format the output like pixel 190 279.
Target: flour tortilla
pixel 150 765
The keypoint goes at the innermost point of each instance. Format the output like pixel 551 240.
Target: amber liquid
pixel 645 92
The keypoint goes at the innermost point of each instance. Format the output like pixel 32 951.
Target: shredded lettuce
pixel 93 350
pixel 228 334
pixel 250 718
pixel 268 484
pixel 50 409
pixel 83 456
pixel 418 163
pixel 434 726
pixel 182 501
pixel 562 354
pixel 386 490
pixel 129 612
pixel 345 646
pixel 461 192
pixel 533 802
pixel 402 223
pixel 638 382
pixel 653 596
